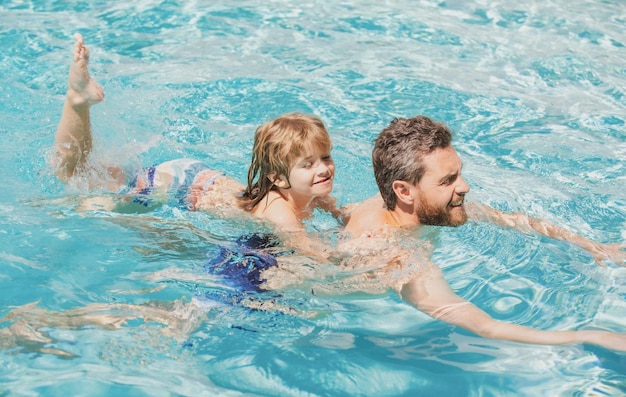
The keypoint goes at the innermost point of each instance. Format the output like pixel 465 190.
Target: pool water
pixel 536 95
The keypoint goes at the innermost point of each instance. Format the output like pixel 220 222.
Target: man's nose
pixel 462 187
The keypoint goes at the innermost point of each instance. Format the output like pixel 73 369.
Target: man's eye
pixel 449 180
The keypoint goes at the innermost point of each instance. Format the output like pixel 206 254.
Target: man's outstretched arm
pixel 430 293
pixel 615 253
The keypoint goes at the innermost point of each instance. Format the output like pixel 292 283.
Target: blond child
pixel 291 171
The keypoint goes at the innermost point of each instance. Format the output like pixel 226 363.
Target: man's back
pixel 370 216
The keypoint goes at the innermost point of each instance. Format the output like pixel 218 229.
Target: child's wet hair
pixel 277 144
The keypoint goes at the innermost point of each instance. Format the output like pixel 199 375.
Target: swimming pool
pixel 534 91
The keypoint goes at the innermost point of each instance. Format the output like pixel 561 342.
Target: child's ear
pixel 278 181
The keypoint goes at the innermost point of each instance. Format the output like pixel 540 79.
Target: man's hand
pixel 615 253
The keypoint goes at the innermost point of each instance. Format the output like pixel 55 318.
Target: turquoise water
pixel 534 91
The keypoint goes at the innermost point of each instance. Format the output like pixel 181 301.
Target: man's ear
pixel 278 181
pixel 403 191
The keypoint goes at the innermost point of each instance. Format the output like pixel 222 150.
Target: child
pixel 291 172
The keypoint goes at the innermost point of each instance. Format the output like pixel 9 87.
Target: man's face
pixel 441 190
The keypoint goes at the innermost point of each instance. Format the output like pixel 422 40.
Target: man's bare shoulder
pixel 367 216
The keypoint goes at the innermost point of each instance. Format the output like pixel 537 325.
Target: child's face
pixel 312 175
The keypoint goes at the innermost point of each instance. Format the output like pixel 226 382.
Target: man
pixel 418 173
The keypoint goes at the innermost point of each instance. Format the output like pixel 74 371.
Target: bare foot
pixel 82 90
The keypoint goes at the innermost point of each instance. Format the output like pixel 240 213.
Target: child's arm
pixel 329 204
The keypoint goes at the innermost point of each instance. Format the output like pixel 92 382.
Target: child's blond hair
pixel 277 144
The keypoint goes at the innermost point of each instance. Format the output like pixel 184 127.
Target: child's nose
pixel 322 168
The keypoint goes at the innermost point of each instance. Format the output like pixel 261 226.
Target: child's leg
pixel 73 137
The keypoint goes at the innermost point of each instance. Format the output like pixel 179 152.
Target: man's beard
pixel 430 215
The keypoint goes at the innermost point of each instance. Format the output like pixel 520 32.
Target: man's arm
pixel 430 293
pixel 615 253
